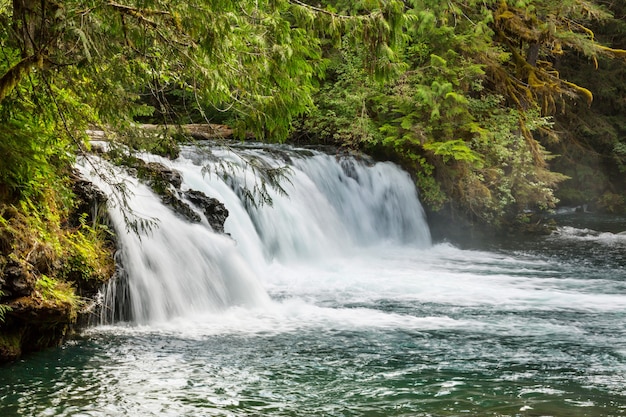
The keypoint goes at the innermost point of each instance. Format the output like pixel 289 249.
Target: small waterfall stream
pixel 328 206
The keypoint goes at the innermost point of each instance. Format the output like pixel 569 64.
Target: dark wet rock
pixel 30 323
pixel 349 168
pixel 166 182
pixel 33 324
pixel 17 279
pixel 31 319
pixel 89 199
pixel 216 213
pixel 179 206
pixel 160 172
pixel 157 175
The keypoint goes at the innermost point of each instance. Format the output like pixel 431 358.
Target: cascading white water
pixel 332 206
pixel 175 267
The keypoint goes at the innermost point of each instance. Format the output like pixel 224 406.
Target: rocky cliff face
pixel 48 272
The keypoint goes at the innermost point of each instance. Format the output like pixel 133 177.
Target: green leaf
pixel 437 61
pixel 455 149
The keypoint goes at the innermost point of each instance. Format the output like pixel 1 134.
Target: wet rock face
pixel 179 206
pixel 159 172
pixel 17 279
pixel 167 182
pixel 88 197
pixel 157 175
pixel 31 325
pixel 215 212
pixel 32 320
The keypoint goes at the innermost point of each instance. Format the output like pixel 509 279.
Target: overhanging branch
pixel 137 13
pixel 16 73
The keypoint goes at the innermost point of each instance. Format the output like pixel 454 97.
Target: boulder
pixel 17 279
pixel 179 206
pixel 215 212
pixel 159 172
pixel 89 199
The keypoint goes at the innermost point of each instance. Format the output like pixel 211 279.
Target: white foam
pixel 590 235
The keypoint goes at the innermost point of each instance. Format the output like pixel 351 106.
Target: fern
pixel 4 309
pixel 454 149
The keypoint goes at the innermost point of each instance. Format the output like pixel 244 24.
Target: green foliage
pixel 594 138
pixel 158 140
pixel 469 114
pixel 513 171
pixel 57 292
pixel 456 149
pixel 255 61
pixel 612 203
pixel 343 115
pixel 4 309
pixel 87 253
pixel 32 159
pixel 456 91
pixel 432 193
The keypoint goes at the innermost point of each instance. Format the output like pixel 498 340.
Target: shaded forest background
pixel 498 112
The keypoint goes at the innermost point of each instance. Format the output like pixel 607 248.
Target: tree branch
pixel 138 13
pixel 16 73
pixel 319 10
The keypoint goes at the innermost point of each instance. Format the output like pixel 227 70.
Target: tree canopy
pixel 463 92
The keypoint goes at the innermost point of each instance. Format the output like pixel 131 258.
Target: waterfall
pixel 326 206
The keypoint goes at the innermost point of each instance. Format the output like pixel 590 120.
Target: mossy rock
pixel 10 346
pixel 49 264
pixel 34 324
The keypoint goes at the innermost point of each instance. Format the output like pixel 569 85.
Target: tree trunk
pixel 27 18
pixel 533 54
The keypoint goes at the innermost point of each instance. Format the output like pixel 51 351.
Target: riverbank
pixel 51 268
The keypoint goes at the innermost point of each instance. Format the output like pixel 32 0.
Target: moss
pixel 15 74
pixel 58 294
pixel 10 346
pixel 50 259
pixel 87 259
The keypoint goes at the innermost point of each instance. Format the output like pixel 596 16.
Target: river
pixel 333 301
